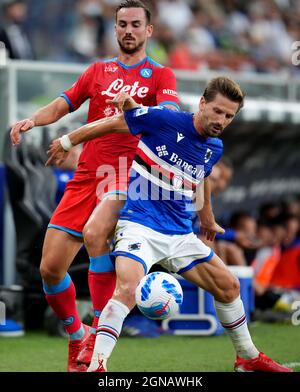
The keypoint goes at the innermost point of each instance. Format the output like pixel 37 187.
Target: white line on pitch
pixel 292 364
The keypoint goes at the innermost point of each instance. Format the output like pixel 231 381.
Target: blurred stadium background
pixel 255 43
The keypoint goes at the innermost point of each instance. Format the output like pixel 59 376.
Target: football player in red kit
pixel 89 209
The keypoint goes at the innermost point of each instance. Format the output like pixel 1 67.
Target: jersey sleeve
pixel 145 119
pixel 216 157
pixel 166 93
pixel 229 235
pixel 80 91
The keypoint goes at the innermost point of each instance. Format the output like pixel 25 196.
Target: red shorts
pixel 80 198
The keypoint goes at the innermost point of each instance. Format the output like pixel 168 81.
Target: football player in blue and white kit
pixel 174 158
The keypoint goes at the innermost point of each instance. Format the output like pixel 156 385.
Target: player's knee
pixel 232 290
pixel 50 274
pixel 126 293
pixel 95 237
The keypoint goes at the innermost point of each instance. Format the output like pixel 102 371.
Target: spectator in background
pixel 244 222
pixel 292 207
pixel 230 246
pixel 161 43
pixel 269 211
pixel 12 32
pixel 200 34
pixel 271 233
pixel 239 241
pixel 276 265
pixel 220 178
pixel 86 40
pixel 176 14
pixel 225 175
pixel 286 275
pixel 200 39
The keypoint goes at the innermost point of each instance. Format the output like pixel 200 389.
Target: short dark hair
pixel 239 216
pixel 135 4
pixel 226 87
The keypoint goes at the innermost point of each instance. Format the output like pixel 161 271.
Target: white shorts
pixel 176 253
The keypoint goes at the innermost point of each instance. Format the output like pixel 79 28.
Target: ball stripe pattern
pixel 159 296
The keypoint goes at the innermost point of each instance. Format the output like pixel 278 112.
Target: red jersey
pixel 147 82
pixel 287 272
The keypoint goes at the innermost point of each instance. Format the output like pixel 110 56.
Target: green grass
pixel 37 352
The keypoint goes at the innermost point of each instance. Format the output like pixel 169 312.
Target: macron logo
pixel 180 136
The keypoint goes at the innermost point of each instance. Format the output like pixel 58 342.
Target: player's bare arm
pixel 117 123
pixel 209 227
pixel 44 116
pixel 58 150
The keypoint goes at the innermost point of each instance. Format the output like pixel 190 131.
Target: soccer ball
pixel 159 296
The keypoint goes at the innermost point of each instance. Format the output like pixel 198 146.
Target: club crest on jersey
pixel 177 182
pixel 208 155
pixel 146 73
pixel 136 246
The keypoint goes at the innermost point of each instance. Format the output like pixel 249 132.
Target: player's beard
pixel 211 132
pixel 131 50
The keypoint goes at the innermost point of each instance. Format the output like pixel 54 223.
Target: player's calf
pixel 227 291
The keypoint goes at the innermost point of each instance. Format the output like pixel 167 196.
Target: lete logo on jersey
pixel 118 86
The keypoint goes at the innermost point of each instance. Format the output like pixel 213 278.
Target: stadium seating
pixel 32 191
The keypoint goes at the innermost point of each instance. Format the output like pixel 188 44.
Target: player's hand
pixel 210 229
pixel 208 225
pixel 57 155
pixel 118 100
pixel 122 101
pixel 18 128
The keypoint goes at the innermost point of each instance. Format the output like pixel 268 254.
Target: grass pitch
pixel 38 352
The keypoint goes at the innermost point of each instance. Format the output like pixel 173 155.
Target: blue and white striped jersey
pixel 171 160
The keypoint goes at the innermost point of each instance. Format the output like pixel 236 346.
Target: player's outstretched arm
pixel 59 147
pixel 44 116
pixel 117 123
